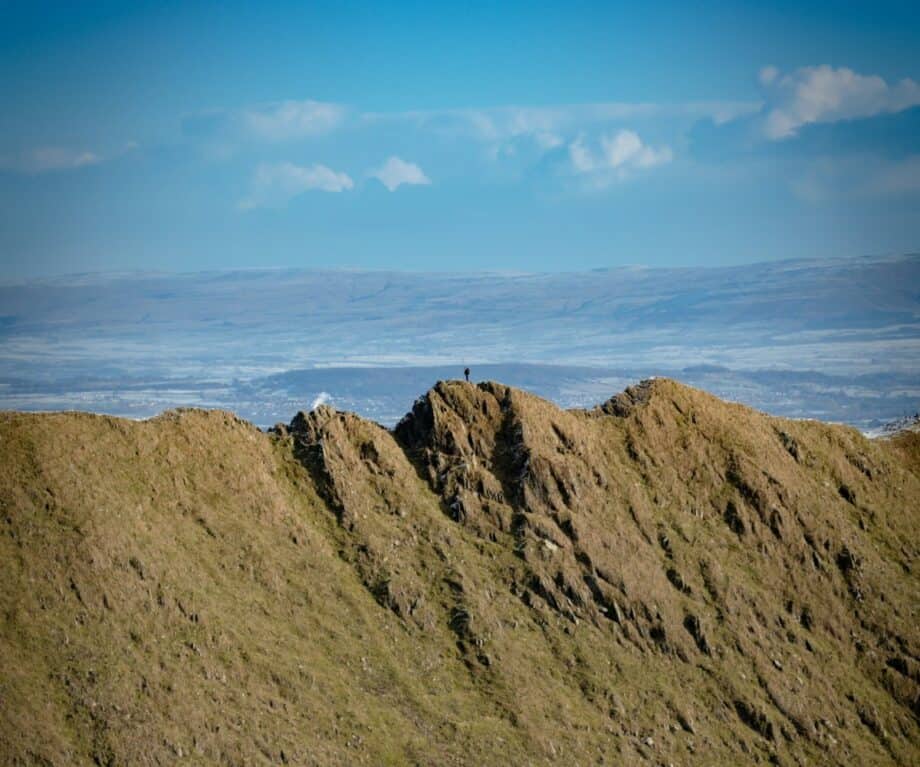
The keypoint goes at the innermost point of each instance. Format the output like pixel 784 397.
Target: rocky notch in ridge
pixel 367 482
pixel 391 526
pixel 465 441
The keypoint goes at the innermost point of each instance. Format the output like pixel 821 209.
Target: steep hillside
pixel 667 579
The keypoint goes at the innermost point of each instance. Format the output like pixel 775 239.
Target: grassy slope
pixel 688 581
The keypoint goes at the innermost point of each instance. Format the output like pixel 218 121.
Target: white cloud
pixel 548 126
pixel 395 172
pixel 626 148
pixel 618 154
pixel 47 159
pixel 276 184
pixel 289 120
pixel 824 94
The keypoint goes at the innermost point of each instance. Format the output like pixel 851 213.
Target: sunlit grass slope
pixel 666 579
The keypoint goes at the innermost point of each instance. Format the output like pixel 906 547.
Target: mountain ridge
pixel 664 578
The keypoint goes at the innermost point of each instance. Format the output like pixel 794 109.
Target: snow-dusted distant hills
pixel 836 339
pixel 898 425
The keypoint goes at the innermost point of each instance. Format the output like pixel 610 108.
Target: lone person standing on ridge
pixel 467 374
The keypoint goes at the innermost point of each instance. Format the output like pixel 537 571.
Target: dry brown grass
pixel 667 579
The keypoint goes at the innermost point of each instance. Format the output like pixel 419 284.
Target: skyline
pixel 68 280
pixel 196 137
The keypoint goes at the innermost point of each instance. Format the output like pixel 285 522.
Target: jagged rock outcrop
pixel 667 578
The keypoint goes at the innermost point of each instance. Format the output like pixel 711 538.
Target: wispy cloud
pixel 290 120
pixel 859 177
pixel 276 122
pixel 616 155
pixel 902 177
pixel 56 159
pixel 548 125
pixel 395 172
pixel 824 94
pixel 275 184
pixel 48 159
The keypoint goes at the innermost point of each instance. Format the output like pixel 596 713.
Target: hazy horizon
pixel 108 274
pixel 835 339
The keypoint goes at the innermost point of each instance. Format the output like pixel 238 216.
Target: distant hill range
pixel 666 578
pixel 829 339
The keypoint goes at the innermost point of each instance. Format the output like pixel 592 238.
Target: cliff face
pixel 666 579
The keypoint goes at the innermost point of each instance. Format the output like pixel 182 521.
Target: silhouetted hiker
pixel 467 374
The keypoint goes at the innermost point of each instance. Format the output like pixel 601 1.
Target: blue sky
pixel 190 136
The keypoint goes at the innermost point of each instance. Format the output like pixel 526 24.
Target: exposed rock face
pixel 666 578
pixel 625 402
pixel 370 485
pixel 468 444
